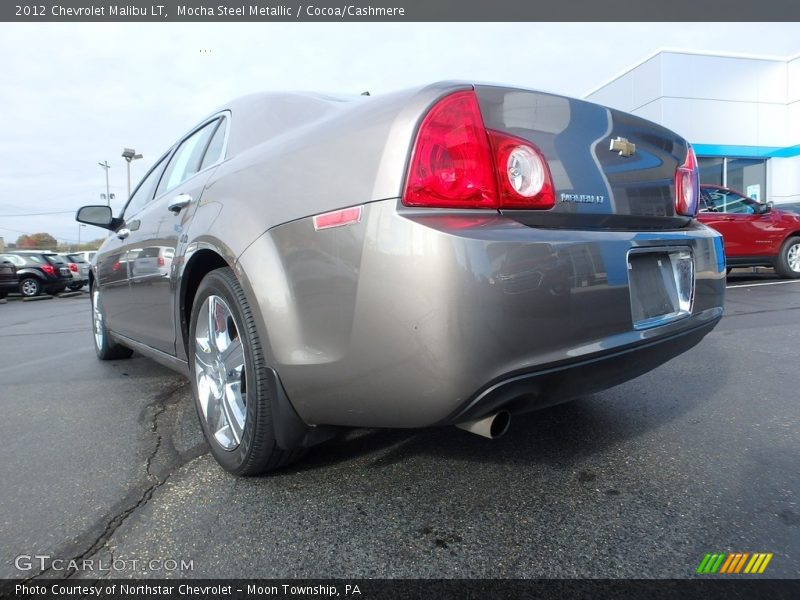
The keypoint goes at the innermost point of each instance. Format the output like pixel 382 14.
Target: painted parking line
pixel 741 285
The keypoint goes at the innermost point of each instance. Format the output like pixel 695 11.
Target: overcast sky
pixel 76 94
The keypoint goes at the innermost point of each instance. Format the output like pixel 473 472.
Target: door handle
pixel 179 202
pixel 123 233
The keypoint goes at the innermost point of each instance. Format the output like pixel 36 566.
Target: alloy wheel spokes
pixel 793 257
pixel 219 363
pixel 97 319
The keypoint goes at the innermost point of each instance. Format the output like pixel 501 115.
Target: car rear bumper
pixel 553 384
pixel 410 319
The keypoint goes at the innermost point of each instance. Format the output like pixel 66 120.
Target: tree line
pixel 45 241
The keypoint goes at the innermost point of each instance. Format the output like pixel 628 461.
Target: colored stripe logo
pixel 734 563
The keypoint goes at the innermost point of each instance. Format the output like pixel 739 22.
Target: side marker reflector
pixel 337 218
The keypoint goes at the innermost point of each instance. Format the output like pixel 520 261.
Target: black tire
pixel 104 346
pixel 788 263
pixel 3 295
pixel 257 451
pixel 30 287
pixel 56 291
pixel 75 286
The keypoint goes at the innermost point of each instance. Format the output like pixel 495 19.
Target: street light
pixel 106 166
pixel 129 154
pixel 79 233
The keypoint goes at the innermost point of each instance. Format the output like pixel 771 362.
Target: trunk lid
pixel 596 186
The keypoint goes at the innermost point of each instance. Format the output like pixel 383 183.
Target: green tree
pixel 37 240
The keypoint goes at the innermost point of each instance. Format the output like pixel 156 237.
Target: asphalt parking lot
pixel 105 460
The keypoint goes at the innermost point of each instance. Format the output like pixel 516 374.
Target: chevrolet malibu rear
pixel 451 255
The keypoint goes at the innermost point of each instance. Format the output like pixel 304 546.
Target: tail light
pixel 687 186
pixel 523 176
pixel 49 270
pixel 160 261
pixel 73 267
pixel 458 163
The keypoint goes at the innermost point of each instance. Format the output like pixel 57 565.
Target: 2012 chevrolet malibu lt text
pixel 446 255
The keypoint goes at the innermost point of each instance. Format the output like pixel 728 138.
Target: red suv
pixel 755 234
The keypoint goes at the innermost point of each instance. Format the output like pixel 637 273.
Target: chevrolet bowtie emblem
pixel 623 146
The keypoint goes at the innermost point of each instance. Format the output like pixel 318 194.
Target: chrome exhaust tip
pixel 492 427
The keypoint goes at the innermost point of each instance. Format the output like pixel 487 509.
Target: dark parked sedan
pixel 40 271
pixel 451 254
pixel 8 277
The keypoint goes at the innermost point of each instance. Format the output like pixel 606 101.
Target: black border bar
pixel 726 588
pixel 398 10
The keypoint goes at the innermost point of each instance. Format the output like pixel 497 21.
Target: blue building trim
pixel 746 151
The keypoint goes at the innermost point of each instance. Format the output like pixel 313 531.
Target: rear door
pixel 163 221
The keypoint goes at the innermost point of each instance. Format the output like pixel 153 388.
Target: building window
pixel 746 175
pixel 711 170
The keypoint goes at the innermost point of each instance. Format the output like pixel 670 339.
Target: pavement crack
pixel 160 463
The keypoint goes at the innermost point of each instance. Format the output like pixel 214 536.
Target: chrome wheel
pixel 793 257
pixel 220 372
pixel 97 319
pixel 29 288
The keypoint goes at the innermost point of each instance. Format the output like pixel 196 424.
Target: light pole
pixel 79 234
pixel 106 166
pixel 129 154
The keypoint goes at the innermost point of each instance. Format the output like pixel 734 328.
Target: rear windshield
pixel 54 259
pixel 76 258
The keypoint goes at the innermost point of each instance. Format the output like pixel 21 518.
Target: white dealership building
pixel 741 113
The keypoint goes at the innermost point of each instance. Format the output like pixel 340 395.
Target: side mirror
pixel 97 215
pixel 765 208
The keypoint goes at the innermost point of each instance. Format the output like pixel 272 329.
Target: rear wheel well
pixel 200 265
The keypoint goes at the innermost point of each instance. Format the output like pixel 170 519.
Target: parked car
pixel 755 234
pixel 450 254
pixel 79 267
pixel 8 277
pixel 40 271
pixel 153 260
pixel 88 255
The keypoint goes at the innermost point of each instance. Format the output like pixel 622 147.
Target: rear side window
pixel 215 146
pixel 13 258
pixel 144 193
pixel 186 160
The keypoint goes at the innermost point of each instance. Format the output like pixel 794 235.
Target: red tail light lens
pixel 49 270
pixel 457 163
pixel 73 267
pixel 451 166
pixel 687 186
pixel 160 261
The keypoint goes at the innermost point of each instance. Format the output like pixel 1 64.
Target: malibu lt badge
pixel 583 198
